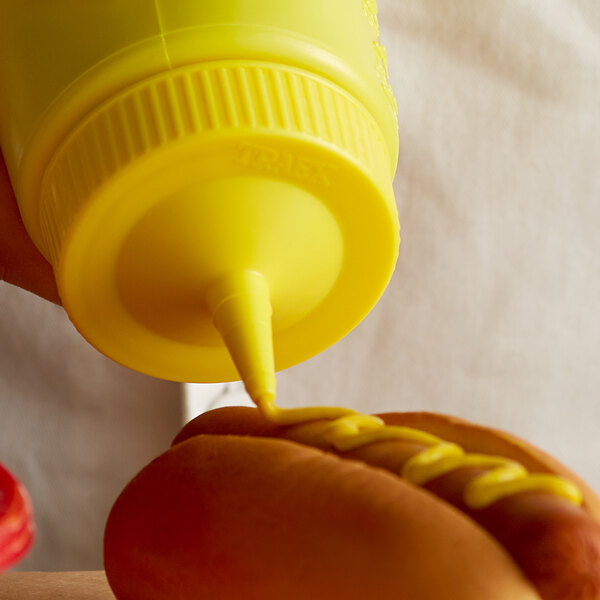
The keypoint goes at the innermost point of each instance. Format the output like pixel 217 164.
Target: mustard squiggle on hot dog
pixel 346 430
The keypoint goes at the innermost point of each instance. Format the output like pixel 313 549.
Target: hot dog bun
pixel 555 543
pixel 228 513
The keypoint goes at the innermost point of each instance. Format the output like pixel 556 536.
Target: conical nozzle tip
pixel 241 310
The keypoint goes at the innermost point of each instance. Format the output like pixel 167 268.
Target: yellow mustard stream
pixel 347 430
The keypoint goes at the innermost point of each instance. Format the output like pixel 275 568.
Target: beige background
pixel 74 427
pixel 494 310
pixel 493 313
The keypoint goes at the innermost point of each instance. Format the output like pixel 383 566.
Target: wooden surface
pixel 83 585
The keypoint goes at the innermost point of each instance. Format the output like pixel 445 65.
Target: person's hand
pixel 20 261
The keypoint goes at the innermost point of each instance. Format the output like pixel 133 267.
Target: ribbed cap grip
pixel 207 170
pixel 200 100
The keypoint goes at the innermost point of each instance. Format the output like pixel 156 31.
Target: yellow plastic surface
pixel 159 147
pixel 241 309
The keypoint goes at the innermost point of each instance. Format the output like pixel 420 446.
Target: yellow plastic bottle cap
pixel 184 211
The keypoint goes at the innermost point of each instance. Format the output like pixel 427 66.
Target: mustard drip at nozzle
pixel 241 310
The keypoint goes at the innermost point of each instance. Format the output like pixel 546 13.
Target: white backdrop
pixel 494 310
pixel 493 313
pixel 74 427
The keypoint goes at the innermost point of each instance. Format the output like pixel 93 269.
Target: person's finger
pixel 20 261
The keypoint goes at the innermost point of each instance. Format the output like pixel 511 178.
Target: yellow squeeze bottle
pixel 204 176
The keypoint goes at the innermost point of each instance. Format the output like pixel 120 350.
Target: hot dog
pixel 243 507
